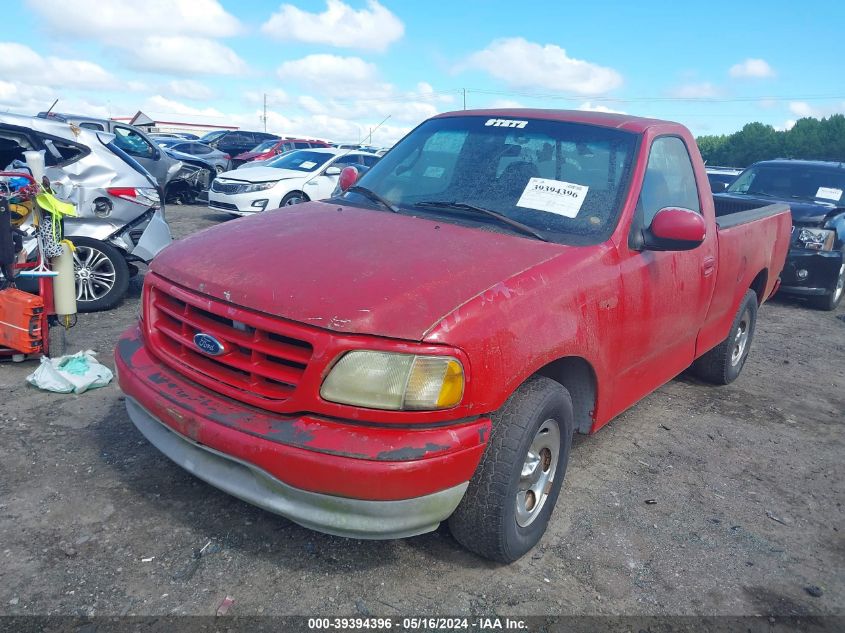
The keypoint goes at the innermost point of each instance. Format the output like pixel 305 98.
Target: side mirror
pixel 332 171
pixel 348 177
pixel 675 229
pixel 718 187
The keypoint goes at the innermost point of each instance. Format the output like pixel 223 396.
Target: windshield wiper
pixel 372 195
pixel 463 206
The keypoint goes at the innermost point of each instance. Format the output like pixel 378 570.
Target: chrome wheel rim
pixel 538 473
pixel 840 284
pixel 740 338
pixel 293 200
pixel 94 272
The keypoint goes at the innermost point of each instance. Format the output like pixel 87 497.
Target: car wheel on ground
pixel 722 364
pixel 219 169
pixel 102 274
pixel 294 197
pixel 834 298
pixel 510 498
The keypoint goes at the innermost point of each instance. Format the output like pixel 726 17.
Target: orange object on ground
pixel 20 321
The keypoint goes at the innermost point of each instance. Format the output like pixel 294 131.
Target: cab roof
pixel 604 119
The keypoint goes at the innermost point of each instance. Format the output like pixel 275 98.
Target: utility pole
pixel 465 98
pixel 265 111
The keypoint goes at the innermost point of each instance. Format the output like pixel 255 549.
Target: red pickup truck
pixel 423 346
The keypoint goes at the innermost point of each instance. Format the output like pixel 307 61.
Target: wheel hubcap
pixel 538 473
pixel 94 272
pixel 293 201
pixel 740 339
pixel 840 284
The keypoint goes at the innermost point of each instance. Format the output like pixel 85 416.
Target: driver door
pixel 665 293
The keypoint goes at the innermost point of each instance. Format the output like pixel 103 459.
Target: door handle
pixel 708 265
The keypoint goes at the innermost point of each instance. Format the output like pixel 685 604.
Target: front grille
pixel 227 187
pixel 226 206
pixel 262 363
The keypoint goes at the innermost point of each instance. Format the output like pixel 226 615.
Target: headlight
pixel 259 186
pixel 816 239
pixel 383 380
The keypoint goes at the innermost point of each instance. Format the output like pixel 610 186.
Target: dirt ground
pixel 747 482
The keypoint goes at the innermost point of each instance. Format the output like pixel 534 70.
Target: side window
pixel 92 126
pixel 302 145
pixel 199 149
pixel 669 179
pixel 369 161
pixel 133 143
pixel 62 152
pixel 345 161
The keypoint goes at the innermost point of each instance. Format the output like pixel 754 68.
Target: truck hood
pixel 804 212
pixel 349 269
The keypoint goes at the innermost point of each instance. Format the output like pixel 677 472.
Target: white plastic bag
pixel 74 373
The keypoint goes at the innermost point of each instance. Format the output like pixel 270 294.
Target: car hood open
pixel 349 269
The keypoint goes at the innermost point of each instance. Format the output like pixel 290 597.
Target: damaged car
pixel 120 220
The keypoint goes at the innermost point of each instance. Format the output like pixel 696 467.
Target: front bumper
pixel 242 203
pixel 822 272
pixel 333 476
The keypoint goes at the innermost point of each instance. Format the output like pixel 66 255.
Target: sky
pixel 339 69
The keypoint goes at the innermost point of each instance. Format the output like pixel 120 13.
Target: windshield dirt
pixel 565 180
pixel 792 181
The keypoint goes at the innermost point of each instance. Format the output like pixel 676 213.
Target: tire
pixel 495 519
pixel 722 364
pixel 104 290
pixel 218 169
pixel 294 197
pixel 830 301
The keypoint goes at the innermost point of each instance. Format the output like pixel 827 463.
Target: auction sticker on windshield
pixel 829 193
pixel 554 196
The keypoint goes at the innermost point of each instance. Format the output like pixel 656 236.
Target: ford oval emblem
pixel 208 344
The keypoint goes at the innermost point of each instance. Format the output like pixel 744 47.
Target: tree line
pixel 814 139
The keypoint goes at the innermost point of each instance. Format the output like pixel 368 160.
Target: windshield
pixel 564 179
pixel 785 181
pixel 266 146
pixel 300 160
pixel 211 136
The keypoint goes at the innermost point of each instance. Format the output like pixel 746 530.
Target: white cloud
pixel 803 109
pixel 184 56
pixel 332 74
pixel 164 36
pixel 275 96
pixel 113 20
pixel 588 106
pixel 521 63
pixel 702 90
pixel 374 28
pixel 17 60
pixel 169 107
pixel 189 89
pixel 787 125
pixel 752 68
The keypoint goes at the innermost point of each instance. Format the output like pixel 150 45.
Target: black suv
pixel 815 191
pixel 234 142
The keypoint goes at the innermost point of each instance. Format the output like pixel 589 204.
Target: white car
pixel 300 176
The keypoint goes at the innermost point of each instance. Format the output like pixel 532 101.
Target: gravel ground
pixel 698 501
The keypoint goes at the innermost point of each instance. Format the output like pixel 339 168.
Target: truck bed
pixel 751 239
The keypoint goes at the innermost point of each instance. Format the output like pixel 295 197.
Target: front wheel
pixel 829 302
pixel 294 197
pixel 510 499
pixel 102 274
